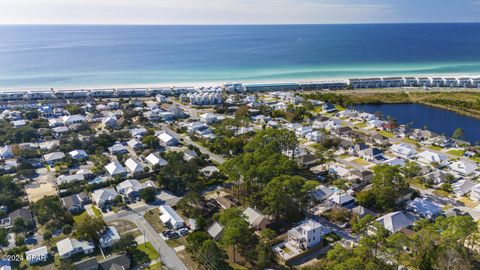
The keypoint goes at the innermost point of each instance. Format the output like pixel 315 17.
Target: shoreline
pixel 213 83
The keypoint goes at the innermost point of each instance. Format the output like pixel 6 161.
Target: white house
pixel 78 154
pixel 70 120
pixel 132 187
pixel 103 196
pixel 303 131
pixel 342 199
pixel 403 150
pixel 315 136
pixel 135 144
pixel 189 155
pixel 109 122
pixel 37 255
pixel 394 221
pixel 169 217
pixel 428 157
pixel 115 168
pixel 68 247
pixel 6 152
pixel 167 139
pixel 208 118
pixel 463 167
pixel 306 235
pixel 118 148
pixel 54 157
pixel 109 237
pixel 475 193
pixel 154 159
pixel 134 167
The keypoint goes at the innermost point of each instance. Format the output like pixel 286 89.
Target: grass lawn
pixel 173 243
pixel 416 182
pixel 148 249
pixel 441 193
pixel 361 125
pixel 80 217
pixel 361 161
pixel 476 159
pixel 153 217
pixel 408 140
pixel 154 266
pixel 339 108
pixel 468 203
pixel 434 147
pixel 457 153
pixel 96 211
pixel 386 134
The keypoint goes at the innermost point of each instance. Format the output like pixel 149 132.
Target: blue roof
pixel 425 208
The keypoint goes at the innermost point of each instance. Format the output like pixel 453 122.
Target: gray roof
pixel 215 230
pixel 116 262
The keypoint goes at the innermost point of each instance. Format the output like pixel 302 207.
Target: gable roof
pixel 254 218
pixel 104 194
pixel 155 159
pixel 114 168
pixel 115 262
pixel 394 221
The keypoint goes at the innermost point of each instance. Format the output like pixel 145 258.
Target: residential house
pixel 303 131
pixel 154 159
pixel 132 187
pixel 115 169
pixel 104 196
pixel 307 235
pixel 475 193
pixel 227 201
pixel 321 193
pixel 116 262
pixel 436 177
pixel 87 264
pixel 6 152
pixel 138 132
pixel 394 221
pixel 72 120
pixel 135 144
pixel 315 136
pixel 462 187
pixel 134 167
pixel 255 219
pixel 403 150
pixel 209 170
pixel 109 237
pixel 19 123
pixel 361 211
pixel 37 255
pixel 54 157
pixel 463 167
pixel 167 139
pixel 342 199
pixel 169 217
pixel 429 157
pixel 75 203
pixel 208 118
pixel 373 155
pixel 109 122
pixel 424 208
pixel 329 107
pixel 78 154
pixel 189 155
pixel 118 148
pixel 215 231
pixel 23 214
pixel 68 247
pixel 5 264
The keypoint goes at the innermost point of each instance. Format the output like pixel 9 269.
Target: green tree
pixel 91 228
pixel 148 194
pixel 458 134
pixel 3 237
pixel 212 257
pixel 237 234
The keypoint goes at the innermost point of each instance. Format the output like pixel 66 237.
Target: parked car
pixel 183 231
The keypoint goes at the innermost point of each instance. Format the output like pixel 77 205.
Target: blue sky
pixel 236 11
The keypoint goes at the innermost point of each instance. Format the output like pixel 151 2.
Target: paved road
pixel 167 254
pixel 186 138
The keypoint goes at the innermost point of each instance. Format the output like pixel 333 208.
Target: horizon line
pixel 227 24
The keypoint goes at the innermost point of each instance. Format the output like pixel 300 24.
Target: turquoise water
pixel 77 56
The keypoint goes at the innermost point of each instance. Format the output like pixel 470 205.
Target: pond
pixel 437 120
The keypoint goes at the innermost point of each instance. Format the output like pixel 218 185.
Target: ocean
pixel 91 56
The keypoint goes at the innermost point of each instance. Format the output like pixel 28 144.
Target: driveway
pixel 167 254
